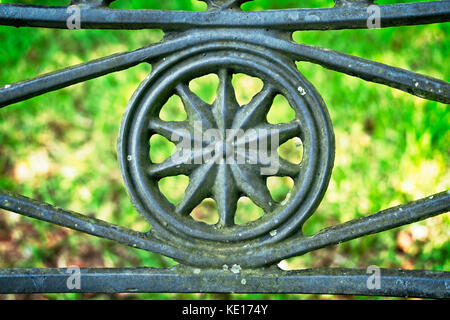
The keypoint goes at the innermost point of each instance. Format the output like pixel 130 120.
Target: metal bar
pixel 64 218
pixel 352 17
pixel 400 283
pixel 408 81
pixel 413 83
pixel 27 89
pixel 381 221
pixel 23 90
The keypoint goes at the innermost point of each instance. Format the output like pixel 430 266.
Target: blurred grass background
pixel 60 148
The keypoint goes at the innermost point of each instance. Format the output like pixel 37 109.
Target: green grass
pixel 60 148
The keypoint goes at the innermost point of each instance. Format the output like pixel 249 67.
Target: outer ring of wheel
pixel 312 181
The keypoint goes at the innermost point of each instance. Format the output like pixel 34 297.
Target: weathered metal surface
pixel 342 17
pixel 411 82
pixel 378 222
pixel 199 43
pixel 406 283
pixel 225 182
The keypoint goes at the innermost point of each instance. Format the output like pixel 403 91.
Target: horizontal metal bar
pixel 399 283
pixel 381 221
pixel 353 17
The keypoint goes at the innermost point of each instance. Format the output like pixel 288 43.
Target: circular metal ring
pixel 227 181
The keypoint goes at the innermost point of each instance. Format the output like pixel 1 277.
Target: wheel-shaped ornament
pixel 228 150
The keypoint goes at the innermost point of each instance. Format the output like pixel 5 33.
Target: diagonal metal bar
pixel 352 17
pixel 27 89
pixel 23 90
pixel 411 82
pixel 384 220
pixel 381 221
pixel 64 218
pixel 400 283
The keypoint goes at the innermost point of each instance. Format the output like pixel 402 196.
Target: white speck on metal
pixel 236 268
pixel 312 17
pixel 301 90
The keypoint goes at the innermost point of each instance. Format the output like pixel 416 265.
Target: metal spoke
pixel 253 185
pixel 225 106
pixel 265 132
pixel 172 130
pixel 286 131
pixel 196 108
pixel 285 168
pixel 226 195
pixel 170 167
pixel 200 186
pixel 255 111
